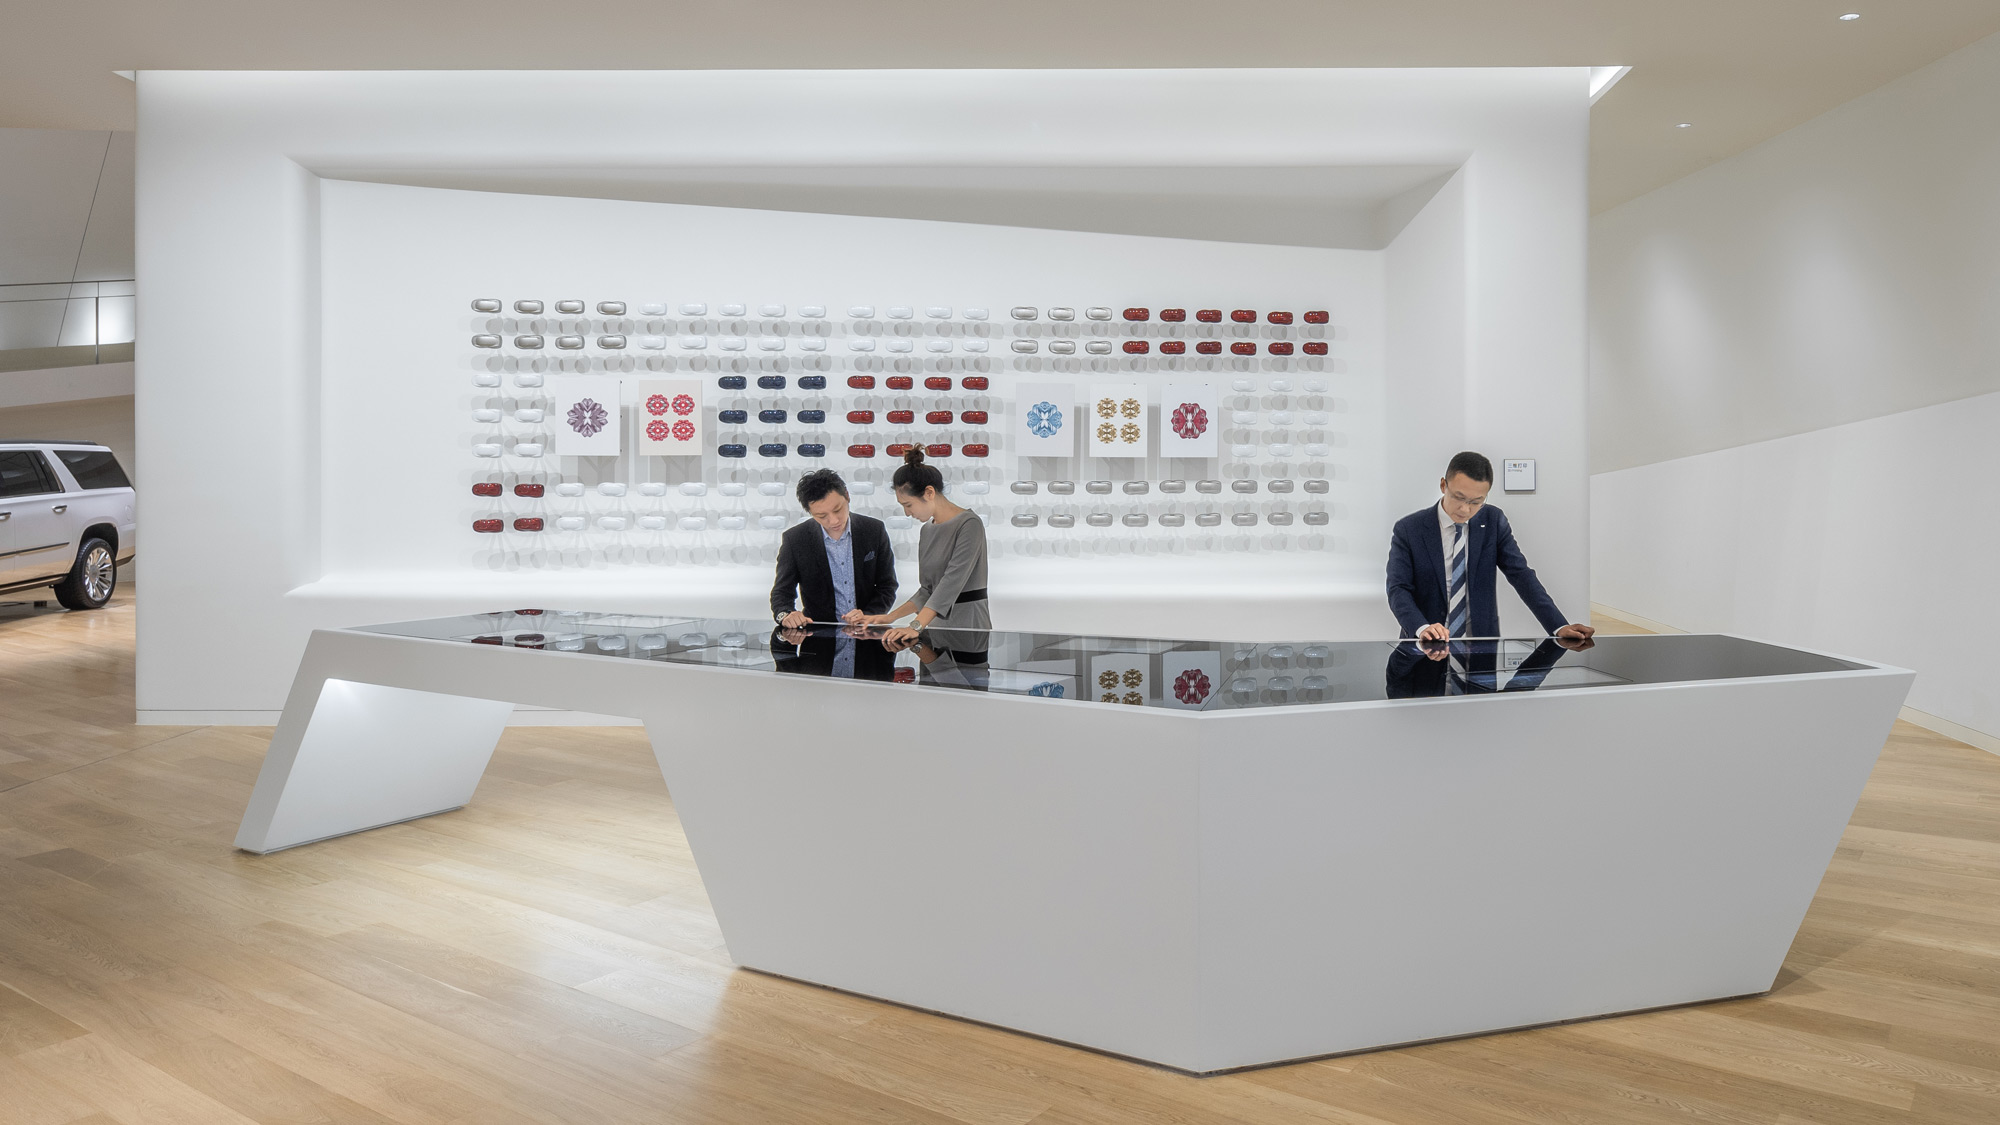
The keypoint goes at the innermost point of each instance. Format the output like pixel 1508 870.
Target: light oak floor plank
pixel 547 955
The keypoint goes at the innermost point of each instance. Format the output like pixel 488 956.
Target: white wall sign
pixel 583 417
pixel 1117 420
pixel 1045 419
pixel 1188 420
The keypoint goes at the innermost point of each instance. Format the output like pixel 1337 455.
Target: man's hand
pixel 854 617
pixel 1435 650
pixel 1576 638
pixel 1436 632
pixel 794 620
pixel 792 636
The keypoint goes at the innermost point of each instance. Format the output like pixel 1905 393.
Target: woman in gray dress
pixel 951 559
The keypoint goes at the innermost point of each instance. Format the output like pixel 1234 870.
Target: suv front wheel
pixel 91 581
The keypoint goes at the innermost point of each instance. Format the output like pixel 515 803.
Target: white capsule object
pixel 486 415
pixel 860 312
pixel 486 449
pixel 771 523
pixel 730 310
pixel 1313 418
pixel 693 343
pixel 812 312
pixel 1242 452
pixel 734 343
pixel 652 310
pixel 1026 346
pixel 612 643
pixel 1318 449
pixel 570 523
pixel 694 523
pixel 486 340
pixel 771 488
pixel 860 344
pixel 771 343
pixel 694 488
pixel 1281 385
pixel 528 414
pixel 938 312
pixel 1281 449
pixel 528 379
pixel 812 344
pixel 770 310
pixel 569 488
pixel 733 488
pixel 862 487
pixel 1097 312
pixel 694 308
pixel 898 344
pixel 486 379
pixel 1243 417
pixel 1097 347
pixel 975 345
pixel 653 523
pixel 977 487
pixel 976 314
pixel 527 449
pixel 1281 417
pixel 1068 347
pixel 900 523
pixel 569 343
pixel 486 305
pixel 652 343
pixel 1023 312
pixel 937 345
pixel 732 523
pixel 652 488
pixel 1062 312
pixel 900 312
pixel 611 523
pixel 611 488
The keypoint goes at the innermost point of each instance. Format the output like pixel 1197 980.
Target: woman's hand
pixel 896 640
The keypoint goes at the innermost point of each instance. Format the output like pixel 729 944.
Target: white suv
pixel 66 520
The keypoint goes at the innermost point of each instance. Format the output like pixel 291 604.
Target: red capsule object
pixel 1316 316
pixel 1209 316
pixel 1281 347
pixel 861 417
pixel 1209 347
pixel 1244 316
pixel 1315 347
pixel 486 488
pixel 972 417
pixel 901 382
pixel 938 418
pixel 1173 347
pixel 899 449
pixel 528 612
pixel 1243 347
pixel 938 383
pixel 530 491
pixel 941 449
pixel 902 417
pixel 1278 317
pixel 1137 347
pixel 975 450
pixel 528 523
pixel 1173 316
pixel 906 675
pixel 1138 314
pixel 975 382
pixel 489 640
pixel 528 640
pixel 861 451
pixel 861 382
pixel 488 525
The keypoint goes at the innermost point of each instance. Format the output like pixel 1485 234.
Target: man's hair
pixel 814 486
pixel 1474 465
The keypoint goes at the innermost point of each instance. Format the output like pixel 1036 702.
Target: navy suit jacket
pixel 803 574
pixel 1417 581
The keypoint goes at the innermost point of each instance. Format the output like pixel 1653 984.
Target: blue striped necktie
pixel 1455 618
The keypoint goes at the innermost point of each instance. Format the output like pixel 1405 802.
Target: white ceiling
pixel 1739 70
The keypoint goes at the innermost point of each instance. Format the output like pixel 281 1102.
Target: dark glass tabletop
pixel 1186 675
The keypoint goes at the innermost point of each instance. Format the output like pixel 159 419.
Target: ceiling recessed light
pixel 1685 125
pixel 1851 16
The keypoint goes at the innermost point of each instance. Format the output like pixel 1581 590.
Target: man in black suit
pixel 838 564
pixel 1442 562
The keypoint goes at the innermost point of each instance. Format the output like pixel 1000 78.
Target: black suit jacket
pixel 1417 591
pixel 1412 674
pixel 814 655
pixel 803 575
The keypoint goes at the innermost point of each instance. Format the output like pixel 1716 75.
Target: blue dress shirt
pixel 840 563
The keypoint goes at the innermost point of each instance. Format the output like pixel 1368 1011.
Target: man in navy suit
pixel 1442 561
pixel 838 563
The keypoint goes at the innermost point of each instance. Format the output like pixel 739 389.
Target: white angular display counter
pixel 1204 855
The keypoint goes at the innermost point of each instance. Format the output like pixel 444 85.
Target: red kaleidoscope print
pixel 684 429
pixel 656 405
pixel 1192 686
pixel 656 429
pixel 683 405
pixel 1189 420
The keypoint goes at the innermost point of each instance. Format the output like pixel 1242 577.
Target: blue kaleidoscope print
pixel 1044 419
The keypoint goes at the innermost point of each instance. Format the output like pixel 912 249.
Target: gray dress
pixel 951 559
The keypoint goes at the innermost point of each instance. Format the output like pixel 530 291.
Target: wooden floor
pixel 548 955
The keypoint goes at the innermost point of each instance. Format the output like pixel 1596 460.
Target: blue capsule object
pixel 771 382
pixel 812 382
pixel 732 417
pixel 732 450
pixel 812 417
pixel 812 449
pixel 771 449
pixel 732 382
pixel 775 417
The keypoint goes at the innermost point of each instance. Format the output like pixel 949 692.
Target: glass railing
pixel 66 323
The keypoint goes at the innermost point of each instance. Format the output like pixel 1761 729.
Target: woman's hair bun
pixel 913 455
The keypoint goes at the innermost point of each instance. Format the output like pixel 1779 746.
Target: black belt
pixel 978 595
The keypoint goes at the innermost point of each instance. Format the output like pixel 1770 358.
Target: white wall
pixel 230 249
pixel 65 205
pixel 1792 374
